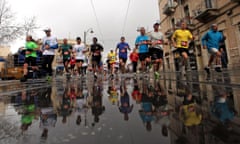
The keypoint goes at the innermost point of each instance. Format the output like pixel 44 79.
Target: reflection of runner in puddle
pixel 125 106
pixel 72 95
pixel 146 111
pixel 81 106
pixel 189 113
pixel 162 112
pixel 65 108
pixel 136 95
pixel 97 106
pixel 48 116
pixel 113 93
pixel 29 109
pixel 221 109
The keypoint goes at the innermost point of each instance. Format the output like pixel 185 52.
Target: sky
pixel 109 19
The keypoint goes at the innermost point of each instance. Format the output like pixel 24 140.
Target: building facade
pixel 199 16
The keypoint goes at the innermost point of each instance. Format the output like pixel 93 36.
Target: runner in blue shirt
pixel 141 43
pixel 211 40
pixel 122 54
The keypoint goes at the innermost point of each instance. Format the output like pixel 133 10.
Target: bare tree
pixel 9 29
pixel 30 25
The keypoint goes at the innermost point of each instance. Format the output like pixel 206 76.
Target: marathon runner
pixel 79 49
pixel 95 52
pixel 122 54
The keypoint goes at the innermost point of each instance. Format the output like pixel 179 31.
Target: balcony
pixel 206 11
pixel 169 7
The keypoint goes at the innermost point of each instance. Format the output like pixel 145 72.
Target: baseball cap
pixel 214 24
pixel 47 30
pixel 156 23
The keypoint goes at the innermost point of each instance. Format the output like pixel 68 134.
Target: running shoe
pixel 95 76
pixel 23 79
pixel 207 69
pixel 218 69
pixel 48 78
pixel 157 75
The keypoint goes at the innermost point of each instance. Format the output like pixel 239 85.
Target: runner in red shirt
pixel 134 58
pixel 72 64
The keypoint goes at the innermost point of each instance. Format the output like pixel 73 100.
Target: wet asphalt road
pixel 126 110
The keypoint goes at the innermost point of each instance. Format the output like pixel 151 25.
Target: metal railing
pixel 169 6
pixel 204 5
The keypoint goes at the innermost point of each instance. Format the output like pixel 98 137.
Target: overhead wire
pixel 98 24
pixel 125 19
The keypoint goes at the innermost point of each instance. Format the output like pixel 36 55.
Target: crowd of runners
pixel 79 58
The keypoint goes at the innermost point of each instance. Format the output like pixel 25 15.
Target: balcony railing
pixel 206 10
pixel 169 7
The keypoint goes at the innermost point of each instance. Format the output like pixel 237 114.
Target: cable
pixel 98 25
pixel 125 19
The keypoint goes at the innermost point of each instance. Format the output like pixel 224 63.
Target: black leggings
pixel 134 65
pixel 47 64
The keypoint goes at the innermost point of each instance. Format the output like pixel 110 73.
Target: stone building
pixel 199 15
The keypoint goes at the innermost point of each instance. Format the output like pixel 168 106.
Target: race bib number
pixel 113 58
pixel 144 42
pixel 159 42
pixel 184 43
pixel 123 51
pixel 66 53
pixel 96 53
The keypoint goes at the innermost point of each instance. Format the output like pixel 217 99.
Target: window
pixel 208 4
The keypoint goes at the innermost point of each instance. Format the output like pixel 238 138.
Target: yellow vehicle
pixel 11 73
pixel 11 68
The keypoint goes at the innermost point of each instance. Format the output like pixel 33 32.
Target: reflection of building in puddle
pixel 191 128
pixel 2 107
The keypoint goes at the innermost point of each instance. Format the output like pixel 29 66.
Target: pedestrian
pixel 211 41
pixel 122 53
pixel 50 43
pixel 95 52
pixel 142 42
pixel 79 49
pixel 156 49
pixel 134 58
pixel 180 39
pixel 30 57
pixel 66 52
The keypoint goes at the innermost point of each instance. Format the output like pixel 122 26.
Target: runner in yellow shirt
pixel 180 39
pixel 112 57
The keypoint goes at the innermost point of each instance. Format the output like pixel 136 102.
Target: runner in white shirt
pixel 79 49
pixel 156 49
pixel 48 49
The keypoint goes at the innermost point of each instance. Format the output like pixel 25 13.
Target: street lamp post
pixel 85 34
